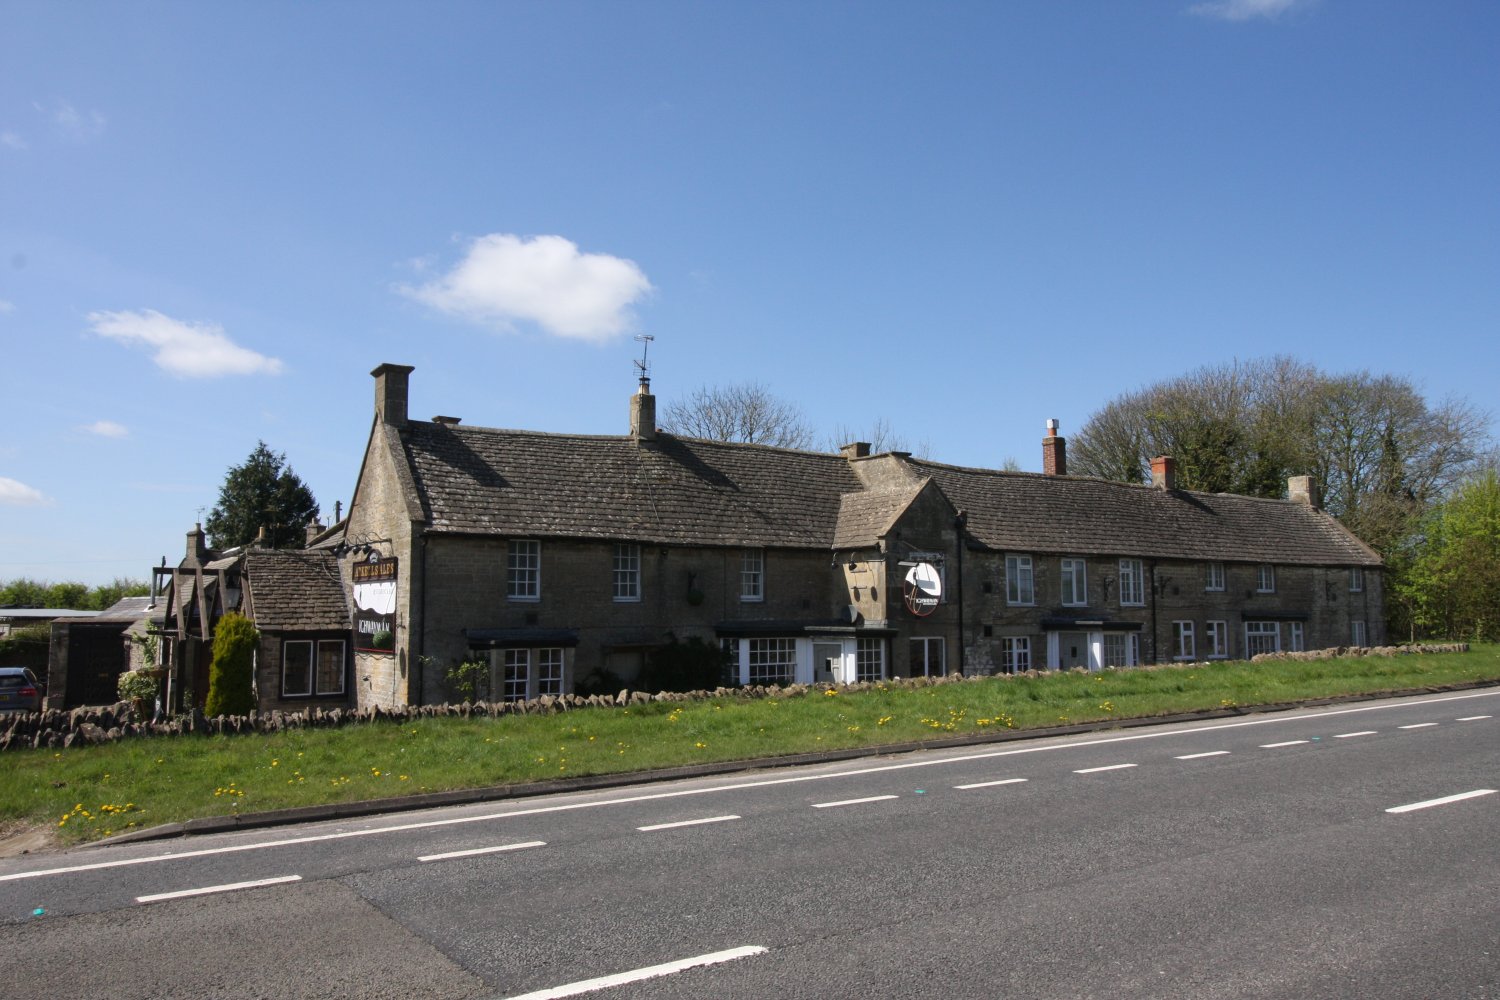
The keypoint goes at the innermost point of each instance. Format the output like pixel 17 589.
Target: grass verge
pixel 87 793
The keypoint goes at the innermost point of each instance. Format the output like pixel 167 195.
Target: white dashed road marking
pixel 1106 767
pixel 482 850
pixel 638 975
pixel 686 822
pixel 1445 800
pixel 852 802
pixel 1288 743
pixel 1206 753
pixel 210 889
pixel 1362 732
pixel 991 784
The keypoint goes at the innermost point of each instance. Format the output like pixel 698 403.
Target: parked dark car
pixel 20 691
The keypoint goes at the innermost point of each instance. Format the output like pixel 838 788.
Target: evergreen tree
pixel 261 493
pixel 230 690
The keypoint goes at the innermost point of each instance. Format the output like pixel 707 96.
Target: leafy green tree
pixel 230 673
pixel 27 593
pixel 1449 584
pixel 107 594
pixel 263 492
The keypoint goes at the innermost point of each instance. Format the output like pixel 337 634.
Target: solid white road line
pixel 1474 718
pixel 1418 725
pixel 852 802
pixel 686 822
pixel 1461 796
pixel 735 786
pixel 991 784
pixel 1362 732
pixel 210 889
pixel 1288 743
pixel 650 972
pixel 482 850
pixel 1107 767
pixel 1206 753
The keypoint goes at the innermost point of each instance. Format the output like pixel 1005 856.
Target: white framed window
pixel 1183 646
pixel 927 656
pixel 1357 634
pixel 1356 579
pixel 1265 579
pixel 1262 637
pixel 1121 649
pixel 523 570
pixel 1019 582
pixel 527 674
pixel 627 572
pixel 753 575
pixel 312 667
pixel 1132 583
pixel 772 661
pixel 1294 636
pixel 1213 576
pixel 869 660
pixel 1216 635
pixel 1075 586
pixel 1015 653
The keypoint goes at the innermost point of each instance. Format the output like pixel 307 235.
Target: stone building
pixel 552 557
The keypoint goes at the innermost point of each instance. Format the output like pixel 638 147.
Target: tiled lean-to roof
pixel 476 480
pixel 670 491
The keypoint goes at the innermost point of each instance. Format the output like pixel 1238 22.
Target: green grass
pixel 92 792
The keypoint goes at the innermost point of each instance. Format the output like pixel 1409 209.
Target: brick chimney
pixel 643 413
pixel 1054 451
pixel 390 394
pixel 1164 472
pixel 1302 489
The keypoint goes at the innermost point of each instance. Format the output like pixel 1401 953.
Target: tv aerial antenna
pixel 642 367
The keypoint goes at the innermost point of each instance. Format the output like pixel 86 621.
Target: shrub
pixel 230 679
pixel 468 681
pixel 137 685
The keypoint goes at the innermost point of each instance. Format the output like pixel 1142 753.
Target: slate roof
pixel 1030 512
pixel 670 491
pixel 295 591
pixel 865 517
pixel 477 480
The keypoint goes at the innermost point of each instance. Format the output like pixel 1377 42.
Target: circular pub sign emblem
pixel 923 589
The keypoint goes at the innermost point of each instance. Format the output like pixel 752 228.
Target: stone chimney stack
pixel 1054 451
pixel 643 413
pixel 855 449
pixel 1302 489
pixel 197 546
pixel 314 529
pixel 390 394
pixel 1164 472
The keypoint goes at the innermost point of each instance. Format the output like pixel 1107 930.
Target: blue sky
pixel 960 218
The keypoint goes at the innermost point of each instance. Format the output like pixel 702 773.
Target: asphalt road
pixel 1257 857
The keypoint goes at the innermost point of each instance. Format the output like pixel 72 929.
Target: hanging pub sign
pixel 923 589
pixel 375 604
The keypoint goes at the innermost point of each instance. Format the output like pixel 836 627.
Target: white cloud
pixel 1244 10
pixel 505 279
pixel 17 494
pixel 107 428
pixel 6 307
pixel 187 350
pixel 80 126
pixel 12 140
